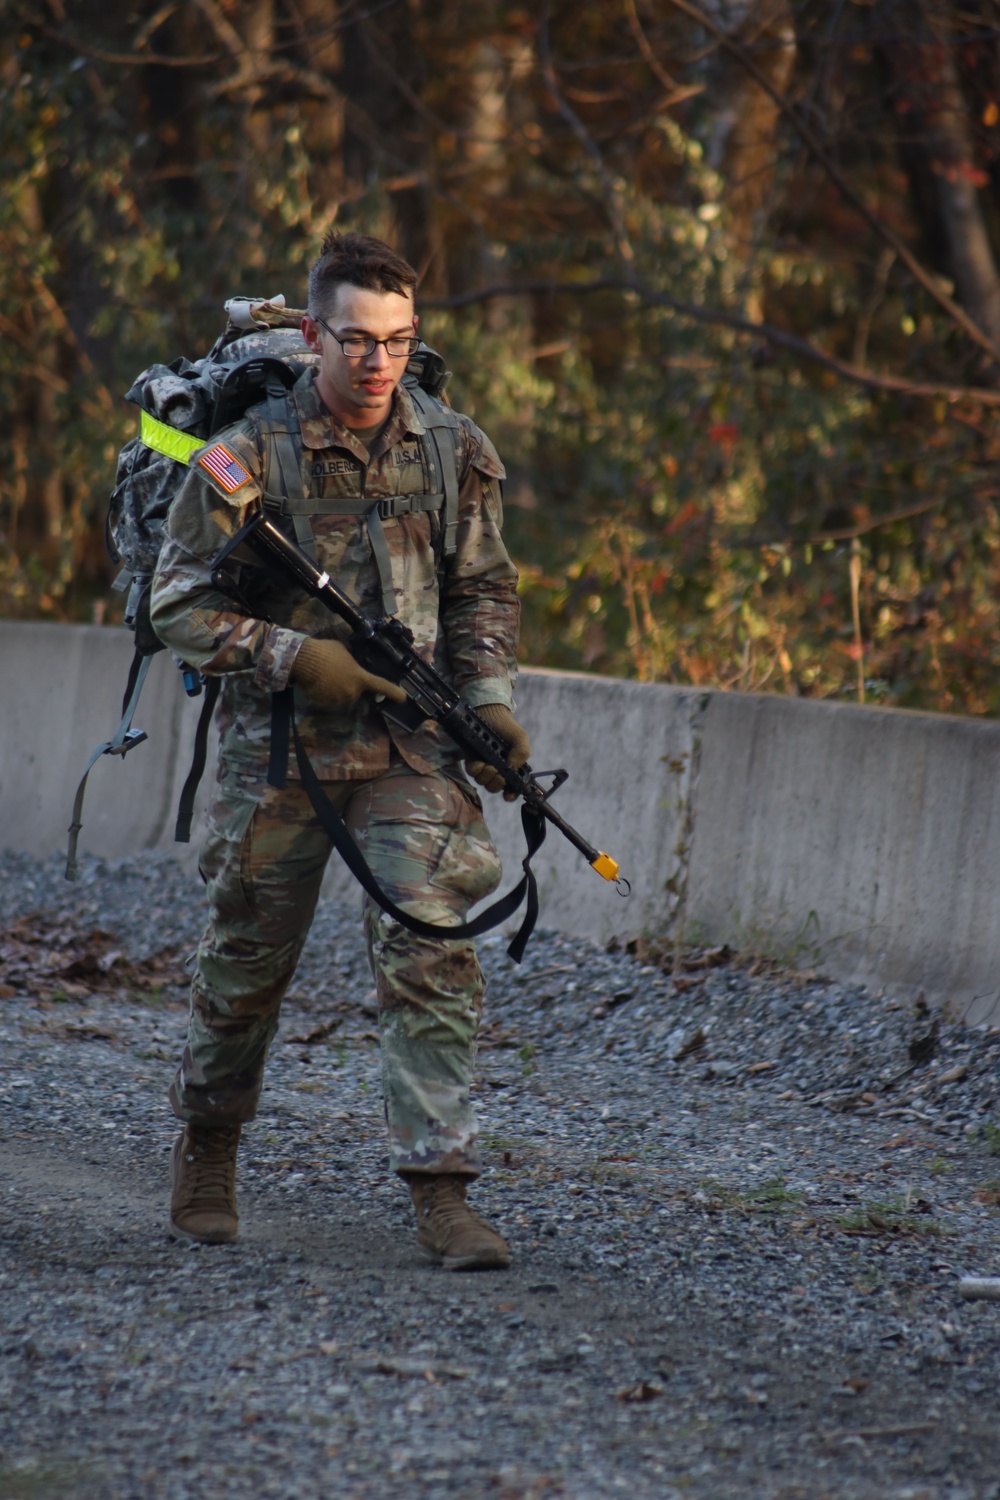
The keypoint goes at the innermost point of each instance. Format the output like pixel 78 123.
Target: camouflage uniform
pixel 403 795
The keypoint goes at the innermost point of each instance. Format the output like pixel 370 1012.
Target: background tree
pixel 721 279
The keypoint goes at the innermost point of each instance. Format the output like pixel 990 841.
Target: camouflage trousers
pixel 428 846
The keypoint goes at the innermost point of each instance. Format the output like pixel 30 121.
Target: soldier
pixel 362 438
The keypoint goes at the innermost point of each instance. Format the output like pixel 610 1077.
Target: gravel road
pixel 739 1202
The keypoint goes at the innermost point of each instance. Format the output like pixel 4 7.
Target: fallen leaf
pixel 318 1033
pixel 681 984
pixel 922 1048
pixel 411 1365
pixel 643 1390
pixel 682 1042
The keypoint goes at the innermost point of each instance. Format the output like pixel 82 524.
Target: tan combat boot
pixel 447 1229
pixel 203 1180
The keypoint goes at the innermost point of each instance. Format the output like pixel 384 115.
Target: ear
pixel 311 334
pixel 416 322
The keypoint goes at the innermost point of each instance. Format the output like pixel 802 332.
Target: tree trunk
pixel 386 134
pixel 745 118
pixel 936 151
pixel 323 121
pixel 970 252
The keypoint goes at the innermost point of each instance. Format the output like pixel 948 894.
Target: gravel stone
pixel 740 1214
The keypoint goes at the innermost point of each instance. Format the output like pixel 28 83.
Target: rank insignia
pixel 225 467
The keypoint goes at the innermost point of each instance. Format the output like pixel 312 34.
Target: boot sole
pixel 484 1261
pixel 209 1237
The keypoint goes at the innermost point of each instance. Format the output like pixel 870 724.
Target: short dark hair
pixel 356 260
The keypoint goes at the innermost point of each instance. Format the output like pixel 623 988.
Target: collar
pixel 320 428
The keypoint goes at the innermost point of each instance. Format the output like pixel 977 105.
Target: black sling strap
pixel 333 825
pixel 185 805
pixel 124 739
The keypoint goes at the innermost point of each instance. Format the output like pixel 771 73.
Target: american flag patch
pixel 225 467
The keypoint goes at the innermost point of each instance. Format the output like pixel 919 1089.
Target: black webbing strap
pixel 119 744
pixel 185 805
pixel 449 475
pixel 333 825
pixel 281 731
pixel 388 506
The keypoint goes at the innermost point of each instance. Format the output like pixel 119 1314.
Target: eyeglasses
pixel 356 346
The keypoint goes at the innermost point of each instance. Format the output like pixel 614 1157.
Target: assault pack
pixel 254 362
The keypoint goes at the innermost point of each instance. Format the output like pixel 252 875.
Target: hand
pixel 331 678
pixel 498 717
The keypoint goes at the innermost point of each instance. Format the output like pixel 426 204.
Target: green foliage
pixel 684 505
pixel 899 1216
pixel 770 1196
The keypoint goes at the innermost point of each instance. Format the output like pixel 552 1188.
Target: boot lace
pixel 446 1209
pixel 211 1157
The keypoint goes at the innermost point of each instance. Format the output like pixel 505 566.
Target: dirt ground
pixel 730 1282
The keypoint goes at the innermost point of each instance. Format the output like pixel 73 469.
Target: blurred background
pixel 720 280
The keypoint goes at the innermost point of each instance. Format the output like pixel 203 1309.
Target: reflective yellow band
pixel 178 445
pixel 606 866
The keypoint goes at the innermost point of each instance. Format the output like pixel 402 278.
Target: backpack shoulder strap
pixel 278 424
pixel 440 444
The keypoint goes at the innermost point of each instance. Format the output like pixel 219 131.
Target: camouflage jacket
pixel 462 609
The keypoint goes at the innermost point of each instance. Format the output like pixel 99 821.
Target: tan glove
pixel 330 677
pixel 500 719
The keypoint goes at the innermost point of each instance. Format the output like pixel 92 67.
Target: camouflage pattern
pixel 426 841
pixel 147 481
pixel 278 343
pixel 403 795
pixel 464 619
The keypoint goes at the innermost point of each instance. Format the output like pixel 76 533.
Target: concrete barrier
pixel 861 840
pixel 61 692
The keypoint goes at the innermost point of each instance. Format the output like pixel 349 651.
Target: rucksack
pixel 254 363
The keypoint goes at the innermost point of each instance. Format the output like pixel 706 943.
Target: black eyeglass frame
pixel 412 343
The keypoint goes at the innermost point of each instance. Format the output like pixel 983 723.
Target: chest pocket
pixel 285 494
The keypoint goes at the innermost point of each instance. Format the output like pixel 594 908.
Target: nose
pixel 378 359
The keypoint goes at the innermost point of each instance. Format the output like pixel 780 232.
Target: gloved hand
pixel 500 719
pixel 331 678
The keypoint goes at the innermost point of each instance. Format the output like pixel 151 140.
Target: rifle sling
pixel 116 745
pixel 185 804
pixel 333 825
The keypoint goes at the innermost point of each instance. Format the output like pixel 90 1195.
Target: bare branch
pixel 153 24
pixel 894 384
pixel 224 30
pixel 809 138
pixel 612 198
pixel 124 59
pixel 143 59
pixel 676 92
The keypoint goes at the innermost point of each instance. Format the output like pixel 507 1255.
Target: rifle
pixel 384 645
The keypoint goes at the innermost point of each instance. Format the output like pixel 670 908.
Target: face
pixel 358 391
